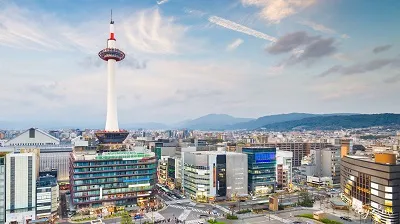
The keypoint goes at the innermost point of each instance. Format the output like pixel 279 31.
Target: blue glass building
pixel 262 169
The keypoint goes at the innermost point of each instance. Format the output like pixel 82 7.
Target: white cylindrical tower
pixel 112 55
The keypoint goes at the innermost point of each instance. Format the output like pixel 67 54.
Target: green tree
pixel 126 218
pixel 305 199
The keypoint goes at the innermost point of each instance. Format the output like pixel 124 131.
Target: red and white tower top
pixel 111 52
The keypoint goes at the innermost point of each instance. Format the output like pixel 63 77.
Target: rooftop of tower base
pixel 111 137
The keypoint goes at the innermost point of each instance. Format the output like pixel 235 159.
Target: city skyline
pixel 182 59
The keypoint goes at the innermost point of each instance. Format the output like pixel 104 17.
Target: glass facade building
pixel 262 169
pixel 112 179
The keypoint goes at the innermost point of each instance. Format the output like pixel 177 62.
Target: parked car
pixel 345 218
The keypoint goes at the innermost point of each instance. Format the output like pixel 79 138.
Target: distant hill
pixel 262 121
pixel 337 122
pixel 147 125
pixel 212 122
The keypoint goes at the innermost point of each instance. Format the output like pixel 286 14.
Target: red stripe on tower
pixel 112 36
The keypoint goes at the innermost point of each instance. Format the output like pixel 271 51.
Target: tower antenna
pixel 112 22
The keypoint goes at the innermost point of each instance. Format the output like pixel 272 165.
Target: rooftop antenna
pixel 112 22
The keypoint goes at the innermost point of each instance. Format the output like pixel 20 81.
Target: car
pixel 296 222
pixel 203 216
pixel 200 222
pixel 345 218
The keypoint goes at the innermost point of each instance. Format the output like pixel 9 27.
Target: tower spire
pixel 112 22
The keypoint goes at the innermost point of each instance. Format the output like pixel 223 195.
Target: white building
pixel 284 171
pixel 33 137
pixel 210 175
pixel 20 187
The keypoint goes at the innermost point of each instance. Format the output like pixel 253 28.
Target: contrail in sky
pixel 239 28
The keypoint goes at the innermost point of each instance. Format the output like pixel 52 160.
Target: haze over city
pixel 186 59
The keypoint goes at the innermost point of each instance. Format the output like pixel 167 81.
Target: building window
pixel 374 185
pixel 388 196
pixel 374 192
pixel 388 189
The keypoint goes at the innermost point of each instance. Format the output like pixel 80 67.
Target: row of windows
pixel 110 174
pixel 111 180
pixel 113 162
pixel 116 168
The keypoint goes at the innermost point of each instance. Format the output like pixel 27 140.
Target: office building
pixel 210 176
pixel 261 170
pixel 322 165
pixel 20 187
pixel 111 180
pixel 47 196
pixel 371 186
pixel 283 169
pixel 3 187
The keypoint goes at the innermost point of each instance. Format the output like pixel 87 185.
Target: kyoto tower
pixel 111 54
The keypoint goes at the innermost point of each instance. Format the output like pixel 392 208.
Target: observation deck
pixel 111 137
pixel 112 53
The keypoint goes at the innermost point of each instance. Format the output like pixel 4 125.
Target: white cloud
pixel 150 32
pixel 275 10
pixel 146 31
pixel 321 28
pixel 317 27
pixel 162 2
pixel 239 28
pixel 235 44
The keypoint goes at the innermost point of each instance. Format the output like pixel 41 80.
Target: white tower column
pixel 112 116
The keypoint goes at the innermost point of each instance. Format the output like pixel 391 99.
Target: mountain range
pixel 278 122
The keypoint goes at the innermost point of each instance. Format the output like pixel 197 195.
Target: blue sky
pixel 185 59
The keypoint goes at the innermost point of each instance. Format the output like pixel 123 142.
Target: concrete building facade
pixel 20 187
pixel 210 176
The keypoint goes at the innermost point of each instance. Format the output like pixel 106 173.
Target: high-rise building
pixel 261 169
pixel 20 187
pixel 3 187
pixel 47 197
pixel 370 186
pixel 209 176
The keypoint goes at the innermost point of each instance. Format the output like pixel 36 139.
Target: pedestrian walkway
pixel 184 215
pixel 195 221
pixel 157 216
pixel 192 204
pixel 287 221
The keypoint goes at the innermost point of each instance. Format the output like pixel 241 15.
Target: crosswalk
pixel 195 221
pixel 183 216
pixel 222 208
pixel 154 216
pixel 287 221
pixel 189 208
